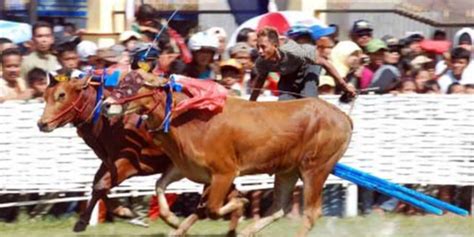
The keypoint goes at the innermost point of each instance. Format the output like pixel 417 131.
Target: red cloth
pixel 205 94
pixel 435 46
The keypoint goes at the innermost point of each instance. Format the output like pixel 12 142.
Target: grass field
pixel 373 225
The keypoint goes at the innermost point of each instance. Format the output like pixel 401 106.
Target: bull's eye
pixel 61 96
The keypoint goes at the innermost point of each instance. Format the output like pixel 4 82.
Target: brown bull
pixel 125 151
pixel 292 139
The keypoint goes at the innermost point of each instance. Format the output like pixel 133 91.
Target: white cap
pixel 203 40
pixel 217 31
pixel 85 49
pixel 126 35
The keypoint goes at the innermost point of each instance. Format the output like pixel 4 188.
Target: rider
pixel 297 65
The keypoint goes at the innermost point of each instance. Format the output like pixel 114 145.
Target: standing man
pixel 42 57
pixel 299 74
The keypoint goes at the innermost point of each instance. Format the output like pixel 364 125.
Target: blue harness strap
pixel 171 86
pixel 98 98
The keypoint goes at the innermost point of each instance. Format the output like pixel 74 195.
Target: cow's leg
pixel 282 193
pixel 314 177
pixel 85 216
pixel 103 182
pixel 170 175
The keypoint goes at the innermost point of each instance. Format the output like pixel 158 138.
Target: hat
pixel 361 26
pixel 109 55
pixel 391 41
pixel 151 51
pixel 85 49
pixel 419 60
pixel 435 46
pixel 326 80
pixel 73 39
pixel 318 31
pixel 240 47
pixel 126 35
pixel 414 36
pixel 231 63
pixel 217 31
pixel 375 45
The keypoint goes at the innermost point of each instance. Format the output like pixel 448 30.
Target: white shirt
pixel 448 78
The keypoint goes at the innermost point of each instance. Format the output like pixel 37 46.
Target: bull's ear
pixel 78 84
pixel 50 80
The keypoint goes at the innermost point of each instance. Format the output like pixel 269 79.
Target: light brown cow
pixel 292 139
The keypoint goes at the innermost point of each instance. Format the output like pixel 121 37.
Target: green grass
pixel 373 225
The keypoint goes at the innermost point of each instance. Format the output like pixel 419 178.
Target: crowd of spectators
pixel 411 63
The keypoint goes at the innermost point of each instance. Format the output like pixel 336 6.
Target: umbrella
pixel 15 31
pixel 282 21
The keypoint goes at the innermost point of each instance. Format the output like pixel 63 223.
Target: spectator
pixel 42 57
pixel 361 33
pixel 413 44
pixel 221 36
pixel 456 88
pixel 327 85
pixel 464 38
pixel 6 43
pixel 324 45
pixel 87 51
pixel 12 86
pixel 431 87
pixel 248 36
pixel 232 76
pixel 460 59
pixel 334 36
pixel 376 49
pixel 407 87
pixel 439 35
pixel 203 47
pixel 68 56
pixel 300 34
pixel 387 77
pixel 37 81
pixel 469 89
pixel 421 76
pixel 346 57
pixel 69 29
pixel 129 39
pixel 242 52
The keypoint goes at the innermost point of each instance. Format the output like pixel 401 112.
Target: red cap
pixel 435 46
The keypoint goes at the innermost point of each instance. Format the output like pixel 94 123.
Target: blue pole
pixel 381 182
pixel 387 191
